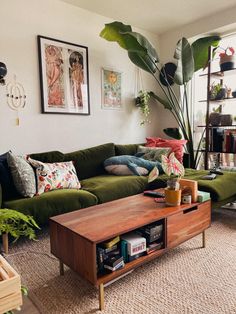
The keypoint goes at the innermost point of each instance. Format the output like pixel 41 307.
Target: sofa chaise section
pixel 52 203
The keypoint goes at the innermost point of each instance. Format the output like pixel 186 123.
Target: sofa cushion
pixel 52 203
pixel 220 188
pixel 110 187
pixel 126 149
pixel 22 174
pixel 152 153
pixel 175 145
pixel 89 162
pixel 52 156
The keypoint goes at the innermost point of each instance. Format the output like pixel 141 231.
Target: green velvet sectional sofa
pixel 100 187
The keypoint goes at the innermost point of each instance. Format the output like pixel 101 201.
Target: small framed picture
pixel 64 77
pixel 111 89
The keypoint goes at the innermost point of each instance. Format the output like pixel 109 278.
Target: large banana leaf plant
pixel 189 58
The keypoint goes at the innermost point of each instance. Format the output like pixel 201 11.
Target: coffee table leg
pixel 101 297
pixel 61 268
pixel 203 239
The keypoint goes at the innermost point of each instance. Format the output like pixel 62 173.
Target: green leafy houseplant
pixel 142 101
pixel 189 57
pixel 17 224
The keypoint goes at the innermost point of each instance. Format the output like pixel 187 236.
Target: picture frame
pixel 64 77
pixel 111 89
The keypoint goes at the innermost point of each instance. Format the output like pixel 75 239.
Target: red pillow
pixel 175 145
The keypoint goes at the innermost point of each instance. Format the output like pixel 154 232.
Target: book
pixel 113 261
pixel 118 266
pixel 203 196
pixel 110 243
pixel 111 249
pixel 191 184
pixel 123 248
pixel 154 247
pixel 135 243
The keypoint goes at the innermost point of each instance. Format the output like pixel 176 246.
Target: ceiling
pixel 156 16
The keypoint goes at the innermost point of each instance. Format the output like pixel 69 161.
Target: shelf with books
pixel 118 255
pixel 231 99
pixel 217 126
pixel 218 138
pixel 129 266
pixel 216 152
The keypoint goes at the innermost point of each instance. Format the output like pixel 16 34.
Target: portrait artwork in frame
pixel 64 77
pixel 111 89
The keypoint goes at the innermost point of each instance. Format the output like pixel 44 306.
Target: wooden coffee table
pixel 75 235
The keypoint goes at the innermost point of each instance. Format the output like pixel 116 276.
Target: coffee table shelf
pixel 129 266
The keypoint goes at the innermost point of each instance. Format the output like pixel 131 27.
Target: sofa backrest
pixel 126 149
pixel 53 156
pixel 89 162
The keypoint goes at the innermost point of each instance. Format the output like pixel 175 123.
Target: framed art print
pixel 64 78
pixel 111 89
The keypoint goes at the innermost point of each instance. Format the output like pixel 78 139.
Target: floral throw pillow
pixel 53 176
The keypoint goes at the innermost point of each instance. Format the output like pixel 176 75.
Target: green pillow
pixel 153 153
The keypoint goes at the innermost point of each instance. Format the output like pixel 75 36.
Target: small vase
pixel 172 197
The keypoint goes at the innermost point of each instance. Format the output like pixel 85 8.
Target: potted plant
pixel 189 58
pixel 227 59
pixel 175 170
pixel 16 224
pixel 142 101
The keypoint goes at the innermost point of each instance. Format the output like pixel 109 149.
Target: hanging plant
pixel 142 101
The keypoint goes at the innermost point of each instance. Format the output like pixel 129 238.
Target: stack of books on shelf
pixel 223 140
pixel 113 254
pixel 109 256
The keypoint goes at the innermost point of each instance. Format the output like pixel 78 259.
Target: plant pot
pixel 227 62
pixel 172 197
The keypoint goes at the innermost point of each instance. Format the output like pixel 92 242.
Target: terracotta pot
pixel 172 197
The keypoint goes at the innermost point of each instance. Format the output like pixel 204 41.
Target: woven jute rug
pixel 188 279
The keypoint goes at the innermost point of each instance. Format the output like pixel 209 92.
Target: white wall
pixel 21 22
pixel 223 22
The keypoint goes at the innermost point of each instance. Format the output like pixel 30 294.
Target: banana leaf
pixel 185 62
pixel 164 102
pixel 200 50
pixel 140 50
